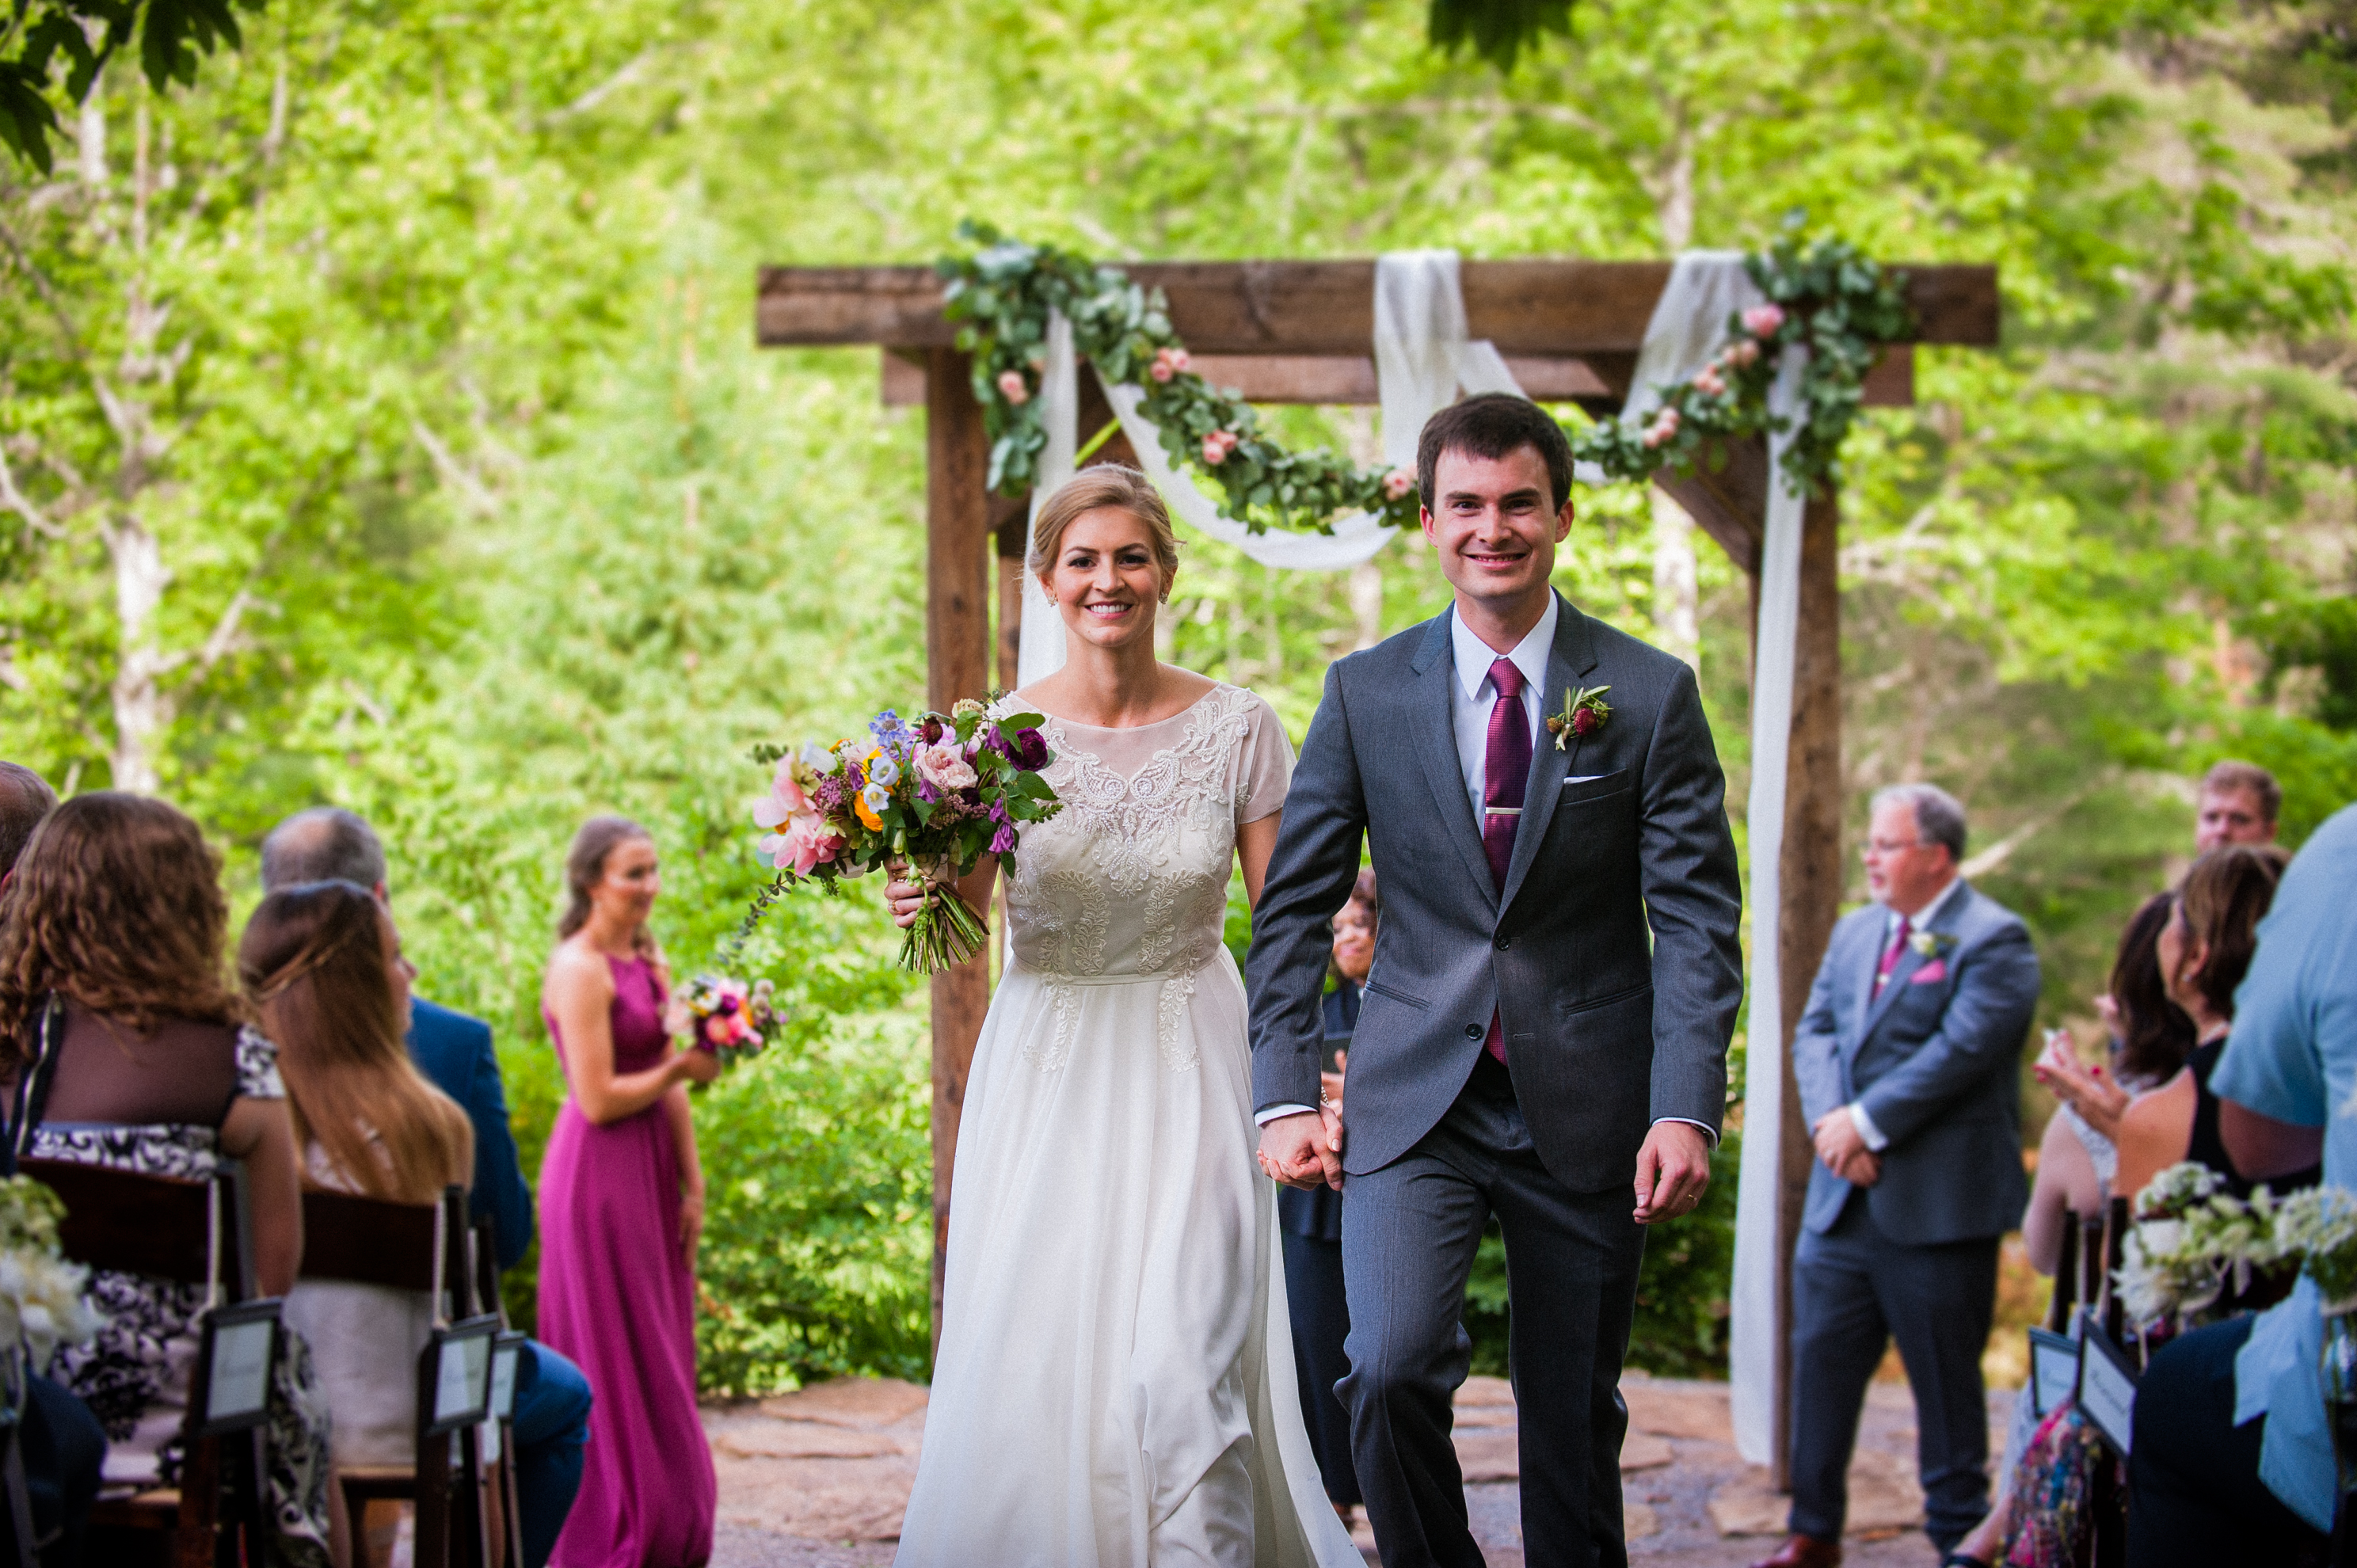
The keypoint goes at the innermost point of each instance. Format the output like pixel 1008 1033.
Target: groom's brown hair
pixel 1493 425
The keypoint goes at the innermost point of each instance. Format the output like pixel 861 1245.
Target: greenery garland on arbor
pixel 1824 295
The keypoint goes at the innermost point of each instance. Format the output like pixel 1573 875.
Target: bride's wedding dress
pixel 1115 1387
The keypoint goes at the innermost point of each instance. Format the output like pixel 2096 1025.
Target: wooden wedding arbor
pixel 1301 332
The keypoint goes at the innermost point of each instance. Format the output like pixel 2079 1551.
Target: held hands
pixel 1842 1149
pixel 1673 1170
pixel 695 1065
pixel 1304 1150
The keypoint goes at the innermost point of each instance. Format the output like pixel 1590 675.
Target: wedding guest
pixel 1907 1060
pixel 454 1051
pixel 621 1207
pixel 323 966
pixel 2238 803
pixel 63 1447
pixel 24 799
pixel 2077 1158
pixel 2205 952
pixel 2233 1456
pixel 115 1001
pixel 1311 1222
pixel 2150 1038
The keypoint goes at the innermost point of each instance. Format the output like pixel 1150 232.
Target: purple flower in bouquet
pixel 1003 840
pixel 1027 749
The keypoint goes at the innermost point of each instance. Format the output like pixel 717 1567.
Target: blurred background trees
pixel 381 424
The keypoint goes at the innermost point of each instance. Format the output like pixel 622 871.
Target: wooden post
pixel 957 660
pixel 1811 877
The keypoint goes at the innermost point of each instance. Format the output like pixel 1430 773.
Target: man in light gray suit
pixel 1909 1060
pixel 1545 1031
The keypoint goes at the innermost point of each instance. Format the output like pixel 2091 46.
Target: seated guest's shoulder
pixel 445 1030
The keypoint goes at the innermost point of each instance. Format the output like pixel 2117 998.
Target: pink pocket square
pixel 1931 973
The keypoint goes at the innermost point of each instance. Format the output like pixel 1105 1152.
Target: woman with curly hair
pixel 127 1046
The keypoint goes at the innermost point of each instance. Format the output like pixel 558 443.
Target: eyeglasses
pixel 1887 846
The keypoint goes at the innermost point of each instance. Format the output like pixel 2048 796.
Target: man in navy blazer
pixel 1909 1061
pixel 454 1051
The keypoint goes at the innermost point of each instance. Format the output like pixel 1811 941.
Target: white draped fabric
pixel 1423 359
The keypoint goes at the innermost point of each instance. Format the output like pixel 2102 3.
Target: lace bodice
pixel 1129 882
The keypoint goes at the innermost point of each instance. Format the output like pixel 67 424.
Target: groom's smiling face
pixel 1495 524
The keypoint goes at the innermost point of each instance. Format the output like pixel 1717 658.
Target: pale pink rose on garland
pixel 1013 387
pixel 1397 483
pixel 1763 320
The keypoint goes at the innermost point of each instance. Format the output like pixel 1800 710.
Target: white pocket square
pixel 1581 777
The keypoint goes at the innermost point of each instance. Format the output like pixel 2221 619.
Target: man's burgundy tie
pixel 1505 776
pixel 1891 954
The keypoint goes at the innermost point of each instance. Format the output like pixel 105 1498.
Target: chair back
pixel 190 1232
pixel 402 1246
pixel 2066 1278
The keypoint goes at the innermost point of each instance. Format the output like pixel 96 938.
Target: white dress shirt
pixel 1919 922
pixel 1472 694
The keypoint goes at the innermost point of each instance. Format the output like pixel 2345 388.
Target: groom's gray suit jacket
pixel 1607 1031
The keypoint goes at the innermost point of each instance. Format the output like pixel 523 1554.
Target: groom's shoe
pixel 1804 1551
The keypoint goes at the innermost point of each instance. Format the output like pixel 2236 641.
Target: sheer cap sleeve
pixel 257 1067
pixel 1264 768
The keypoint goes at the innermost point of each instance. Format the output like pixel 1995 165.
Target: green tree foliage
pixel 381 424
pixel 81 36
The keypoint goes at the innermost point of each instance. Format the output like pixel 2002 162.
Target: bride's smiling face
pixel 1104 580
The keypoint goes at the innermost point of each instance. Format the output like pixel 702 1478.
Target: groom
pixel 1523 1049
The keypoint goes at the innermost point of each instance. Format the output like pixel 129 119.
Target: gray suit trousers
pixel 1571 1264
pixel 1855 1289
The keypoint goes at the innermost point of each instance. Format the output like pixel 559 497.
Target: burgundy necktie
pixel 1505 777
pixel 1891 954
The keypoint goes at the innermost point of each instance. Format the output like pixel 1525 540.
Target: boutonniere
pixel 1584 713
pixel 1931 944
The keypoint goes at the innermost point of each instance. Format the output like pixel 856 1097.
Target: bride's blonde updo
pixel 1104 485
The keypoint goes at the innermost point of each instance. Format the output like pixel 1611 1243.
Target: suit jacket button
pixel 1474 1031
pixel 1504 943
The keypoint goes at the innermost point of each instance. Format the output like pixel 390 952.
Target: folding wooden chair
pixel 419 1247
pixel 196 1233
pixel 499 1432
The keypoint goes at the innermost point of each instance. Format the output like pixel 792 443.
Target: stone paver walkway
pixel 819 1479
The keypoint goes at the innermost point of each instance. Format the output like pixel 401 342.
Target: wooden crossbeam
pixel 1542 308
pixel 1336 379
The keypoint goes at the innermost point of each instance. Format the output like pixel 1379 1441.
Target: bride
pixel 1114 1386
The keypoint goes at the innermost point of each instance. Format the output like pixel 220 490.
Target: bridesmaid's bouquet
pixel 940 792
pixel 728 1017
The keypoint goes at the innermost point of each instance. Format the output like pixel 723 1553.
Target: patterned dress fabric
pixel 134 1374
pixel 618 1298
pixel 1115 1383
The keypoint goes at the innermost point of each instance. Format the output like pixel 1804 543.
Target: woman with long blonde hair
pixel 323 966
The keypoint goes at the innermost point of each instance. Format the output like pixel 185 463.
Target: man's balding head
pixel 326 843
pixel 24 799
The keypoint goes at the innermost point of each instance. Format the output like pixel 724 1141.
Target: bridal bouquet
pixel 728 1017
pixel 940 792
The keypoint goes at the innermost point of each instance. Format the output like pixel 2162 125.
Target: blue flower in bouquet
pixel 892 734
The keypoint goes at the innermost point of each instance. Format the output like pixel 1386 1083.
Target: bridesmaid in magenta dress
pixel 621 1204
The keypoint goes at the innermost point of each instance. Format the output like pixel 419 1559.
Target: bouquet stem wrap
pixel 947 931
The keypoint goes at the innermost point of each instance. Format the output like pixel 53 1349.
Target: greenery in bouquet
pixel 938 792
pixel 2319 1225
pixel 41 1303
pixel 727 1018
pixel 2194 1243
